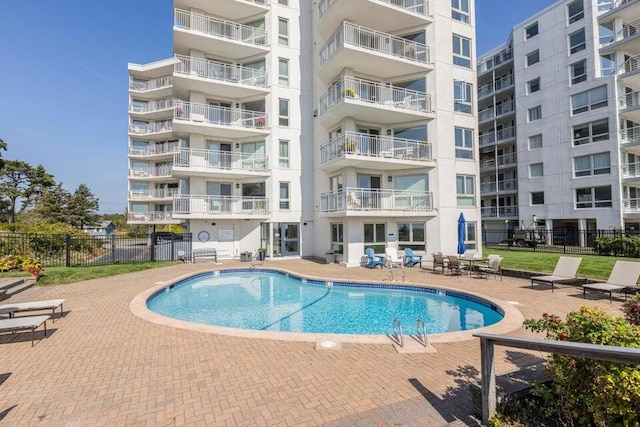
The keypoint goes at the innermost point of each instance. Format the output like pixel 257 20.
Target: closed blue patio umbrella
pixel 461 232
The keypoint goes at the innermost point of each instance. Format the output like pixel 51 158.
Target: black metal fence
pixel 568 241
pixel 59 250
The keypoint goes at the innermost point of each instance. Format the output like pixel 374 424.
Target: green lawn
pixel 592 266
pixel 61 275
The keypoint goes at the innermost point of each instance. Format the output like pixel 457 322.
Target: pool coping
pixel 512 320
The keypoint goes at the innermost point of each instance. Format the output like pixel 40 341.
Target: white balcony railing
pixel 220 205
pixel 222 116
pixel 162 193
pixel 374 93
pixel 499 212
pixel 368 146
pixel 375 41
pixel 219 160
pixel 148 85
pixel 154 172
pixel 151 127
pixel 631 99
pixel 630 135
pixel 630 170
pixel 489 63
pixel 220 71
pixel 155 105
pixel 156 149
pixel 498 136
pixel 500 186
pixel 631 205
pixel 630 65
pixel 216 27
pixel 151 216
pixel 489 88
pixel 371 199
pixel 420 7
pixel 497 111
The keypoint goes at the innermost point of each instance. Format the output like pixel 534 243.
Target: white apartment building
pixel 558 123
pixel 306 126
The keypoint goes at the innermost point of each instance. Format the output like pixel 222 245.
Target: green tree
pixel 3 146
pixel 21 185
pixel 83 207
pixel 53 205
pixel 40 182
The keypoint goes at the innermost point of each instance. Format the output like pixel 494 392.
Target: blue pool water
pixel 275 301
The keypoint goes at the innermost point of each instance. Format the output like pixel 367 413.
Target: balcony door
pixel 219 113
pixel 221 200
pixel 369 187
pixel 369 143
pixel 219 154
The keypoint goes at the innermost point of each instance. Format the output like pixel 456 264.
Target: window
pixel 283 32
pixel 535 170
pixel 587 133
pixel 533 85
pixel 283 72
pixel 462 96
pixel 593 197
pixel 535 141
pixel 411 235
pixel 464 143
pixel 461 51
pixel 589 100
pixel 284 154
pixel 537 198
pixel 575 10
pixel 578 71
pixel 337 238
pixel 470 237
pixel 607 65
pixel 531 30
pixel 460 10
pixel 604 5
pixel 465 190
pixel 534 113
pixel 577 41
pixel 605 33
pixel 533 58
pixel 375 237
pixel 284 112
pixel 284 195
pixel 284 2
pixel 593 164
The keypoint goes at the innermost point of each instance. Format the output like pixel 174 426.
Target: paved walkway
pixel 101 365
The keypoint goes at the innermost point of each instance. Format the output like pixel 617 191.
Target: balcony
pixel 156 150
pixel 225 80
pixel 157 217
pixel 499 136
pixel 505 160
pixel 629 71
pixel 629 105
pixel 631 206
pixel 506 186
pixel 489 89
pixel 353 149
pixel 231 9
pixel 385 15
pixel 494 61
pixel 154 109
pixel 153 130
pixel 216 163
pixel 622 9
pixel 231 40
pixel 630 172
pixel 363 50
pixel 151 173
pixel 373 102
pixel 508 107
pixel 374 202
pixel 225 207
pixel 154 88
pixel 630 137
pixel 155 194
pixel 212 120
pixel 627 39
pixel 509 212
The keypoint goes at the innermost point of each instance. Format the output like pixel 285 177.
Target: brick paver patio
pixel 102 365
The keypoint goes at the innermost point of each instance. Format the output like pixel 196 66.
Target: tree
pixel 83 207
pixel 3 146
pixel 40 181
pixel 14 184
pixel 54 204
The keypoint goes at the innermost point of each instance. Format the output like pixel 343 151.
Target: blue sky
pixel 63 82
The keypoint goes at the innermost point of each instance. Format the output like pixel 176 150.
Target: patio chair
pixel 453 264
pixel 373 260
pixel 410 259
pixel 492 267
pixel 624 275
pixel 37 306
pixel 438 262
pixel 565 272
pixel 393 260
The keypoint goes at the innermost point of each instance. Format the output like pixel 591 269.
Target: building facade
pixel 306 128
pixel 556 121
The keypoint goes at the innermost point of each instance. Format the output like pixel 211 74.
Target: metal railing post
pixel 68 250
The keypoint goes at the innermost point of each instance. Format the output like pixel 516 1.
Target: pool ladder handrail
pixel 421 332
pixel 397 331
pixel 255 258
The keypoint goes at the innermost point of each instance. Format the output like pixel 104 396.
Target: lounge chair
pixel 624 275
pixel 393 260
pixel 492 267
pixel 453 264
pixel 37 306
pixel 24 324
pixel 565 272
pixel 373 260
pixel 410 259
pixel 438 262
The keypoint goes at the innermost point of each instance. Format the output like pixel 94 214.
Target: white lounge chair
pixel 37 306
pixel 392 259
pixel 624 275
pixel 565 271
pixel 24 324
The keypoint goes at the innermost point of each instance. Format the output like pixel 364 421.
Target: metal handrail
pixel 214 70
pixel 397 331
pixel 494 86
pixel 216 115
pixel 147 85
pixel 628 30
pixel 365 145
pixel 206 24
pixel 219 160
pixel 420 7
pixel 421 331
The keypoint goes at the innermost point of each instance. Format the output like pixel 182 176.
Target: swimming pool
pixel 268 300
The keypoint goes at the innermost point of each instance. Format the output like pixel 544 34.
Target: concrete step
pixel 10 282
pixel 21 287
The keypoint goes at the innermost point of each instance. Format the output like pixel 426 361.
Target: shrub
pixel 9 262
pixel 631 310
pixel 585 391
pixel 617 246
